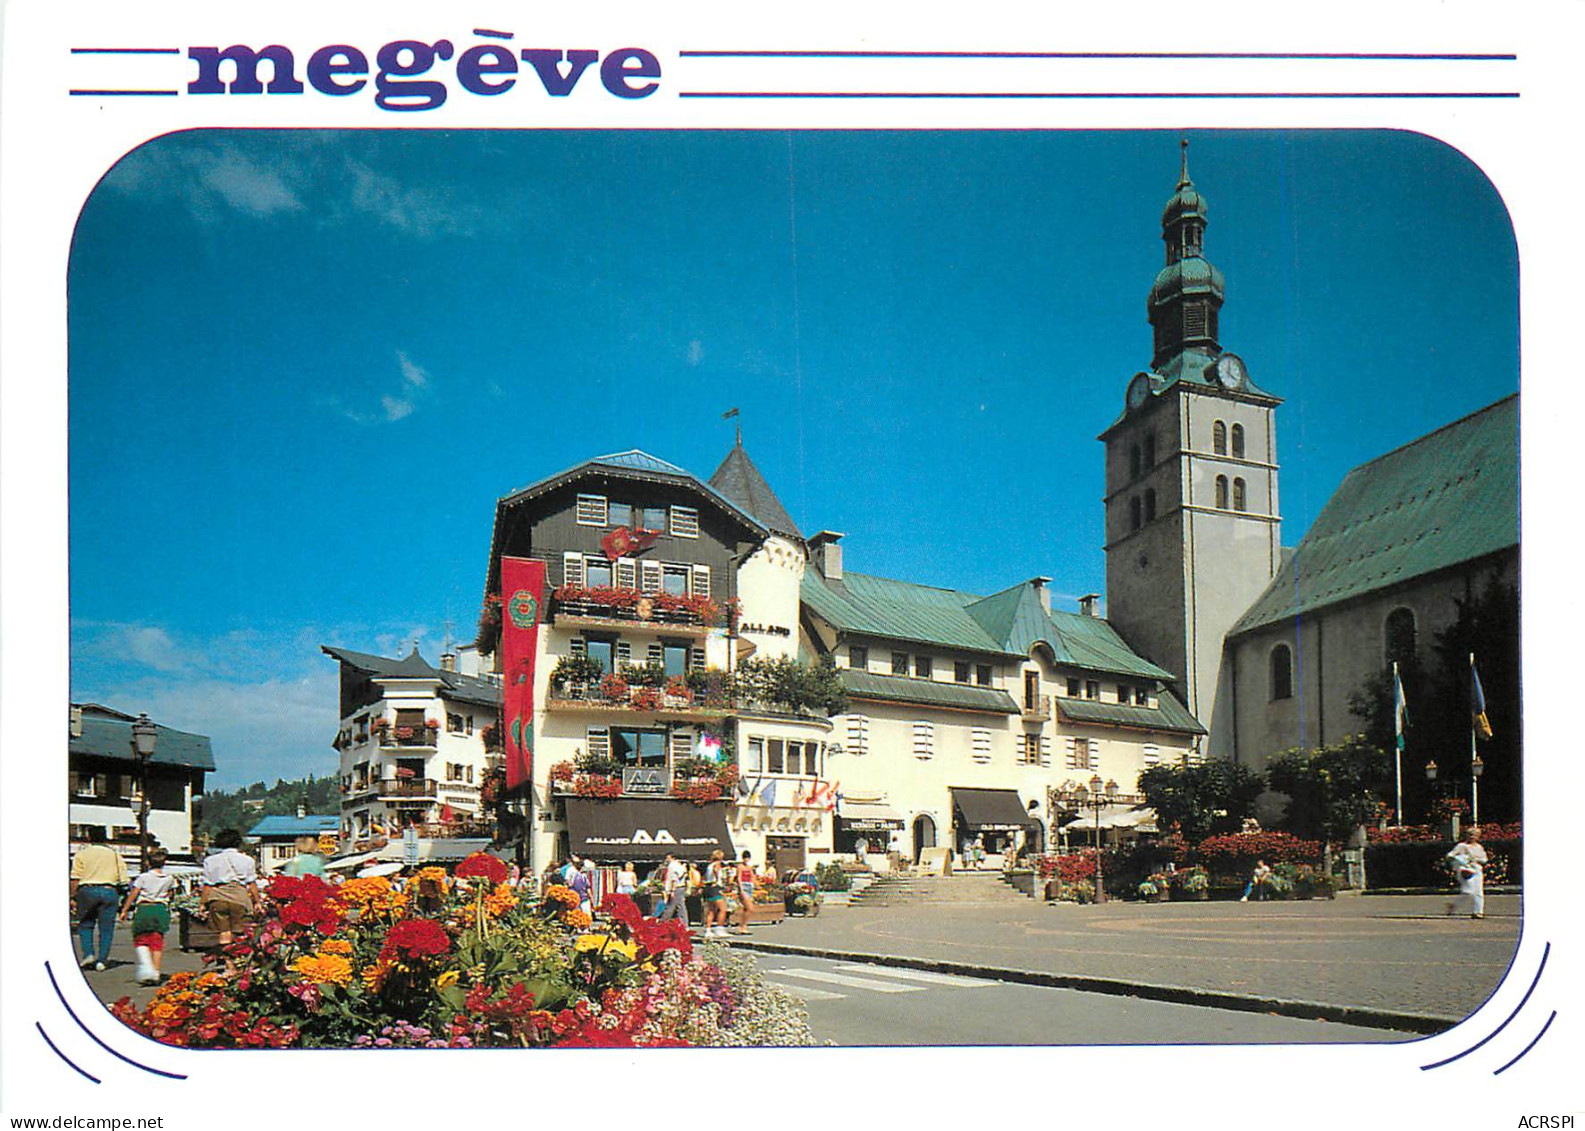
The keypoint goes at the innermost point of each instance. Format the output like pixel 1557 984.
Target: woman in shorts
pixel 745 893
pixel 713 893
pixel 148 905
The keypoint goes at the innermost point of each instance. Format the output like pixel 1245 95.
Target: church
pixel 976 717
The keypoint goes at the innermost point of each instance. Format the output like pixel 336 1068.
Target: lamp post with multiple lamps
pixel 143 739
pixel 1098 797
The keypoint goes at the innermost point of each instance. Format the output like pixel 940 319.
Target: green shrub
pixel 831 877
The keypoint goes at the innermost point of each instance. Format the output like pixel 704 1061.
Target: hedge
pixel 1418 864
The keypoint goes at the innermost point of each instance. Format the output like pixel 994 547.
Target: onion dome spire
pixel 1188 292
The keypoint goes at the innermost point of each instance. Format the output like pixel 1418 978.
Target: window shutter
pixel 626 574
pixel 575 647
pixel 1045 750
pixel 624 652
pixel 1072 751
pixel 684 522
pixel 572 569
pixel 858 734
pixel 696 658
pixel 592 510
pixel 1152 754
pixel 597 742
pixel 1095 754
pixel 701 581
pixel 649 573
pixel 681 745
pixel 656 654
pixel 981 745
pixel 924 740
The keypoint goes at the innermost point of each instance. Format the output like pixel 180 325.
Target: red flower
pixel 486 867
pixel 416 939
pixel 657 937
pixel 622 909
pixel 284 889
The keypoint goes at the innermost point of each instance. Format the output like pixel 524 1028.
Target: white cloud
pixel 695 352
pixel 396 408
pixel 397 404
pixel 414 375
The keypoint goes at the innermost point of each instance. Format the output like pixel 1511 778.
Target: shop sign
pixel 647 780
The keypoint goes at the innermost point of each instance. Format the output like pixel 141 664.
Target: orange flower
pixel 578 920
pixel 336 946
pixel 500 901
pixel 322 968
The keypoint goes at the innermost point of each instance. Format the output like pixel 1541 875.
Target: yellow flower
pixel 323 968
pixel 374 976
pixel 449 978
pixel 606 943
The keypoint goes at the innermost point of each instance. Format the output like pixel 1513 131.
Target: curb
pixel 1425 1024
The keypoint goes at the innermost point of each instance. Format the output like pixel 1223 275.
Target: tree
pixel 1214 796
pixel 1332 789
pixel 1437 687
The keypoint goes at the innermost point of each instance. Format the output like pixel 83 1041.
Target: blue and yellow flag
pixel 1477 702
pixel 1400 707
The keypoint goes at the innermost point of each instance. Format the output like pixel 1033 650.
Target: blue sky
pixel 305 364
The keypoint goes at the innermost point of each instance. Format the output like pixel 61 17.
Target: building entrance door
pixel 924 835
pixel 785 852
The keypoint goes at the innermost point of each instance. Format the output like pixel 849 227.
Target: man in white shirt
pixel 675 890
pixel 230 885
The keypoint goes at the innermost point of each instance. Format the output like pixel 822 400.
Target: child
pixel 149 907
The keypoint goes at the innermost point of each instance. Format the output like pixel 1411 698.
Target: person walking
pixel 578 881
pixel 97 871
pixel 674 891
pixel 745 893
pixel 627 880
pixel 1469 865
pixel 148 906
pixel 230 886
pixel 1257 882
pixel 713 894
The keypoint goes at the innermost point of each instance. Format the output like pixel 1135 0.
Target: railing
pixel 646 608
pixel 1038 711
pixel 416 736
pixel 589 695
pixel 406 787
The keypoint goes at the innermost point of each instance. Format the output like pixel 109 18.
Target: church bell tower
pixel 1192 525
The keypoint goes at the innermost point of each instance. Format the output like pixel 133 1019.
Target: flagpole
pixel 1474 780
pixel 1397 749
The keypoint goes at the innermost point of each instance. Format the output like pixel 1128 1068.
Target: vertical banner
pixel 522 597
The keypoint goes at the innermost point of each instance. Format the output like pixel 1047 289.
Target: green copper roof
pixel 927 693
pixel 1009 623
pixel 109 735
pixel 1445 499
pixel 1171 715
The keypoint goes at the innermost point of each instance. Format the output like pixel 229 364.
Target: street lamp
pixel 143 739
pixel 1476 768
pixel 1098 796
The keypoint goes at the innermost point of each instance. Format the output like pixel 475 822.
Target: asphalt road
pixel 862 1004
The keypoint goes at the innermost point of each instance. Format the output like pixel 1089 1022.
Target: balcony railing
pixel 408 736
pixel 398 788
pixel 688 616
pixel 1039 711
pixel 591 696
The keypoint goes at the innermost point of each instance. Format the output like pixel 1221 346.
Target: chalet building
pixel 418 746
pixel 104 782
pixel 275 838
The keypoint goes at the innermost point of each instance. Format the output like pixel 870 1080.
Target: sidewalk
pixel 1393 961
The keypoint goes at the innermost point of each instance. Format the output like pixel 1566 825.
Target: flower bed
pixel 359 966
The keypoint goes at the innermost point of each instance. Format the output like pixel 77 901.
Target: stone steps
pixel 961 887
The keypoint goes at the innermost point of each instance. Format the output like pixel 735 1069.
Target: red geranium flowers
pixel 484 866
pixel 415 940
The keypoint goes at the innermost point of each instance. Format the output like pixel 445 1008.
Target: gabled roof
pixel 108 734
pixel 1447 498
pixel 451 685
pixel 739 480
pixel 1009 623
pixel 310 825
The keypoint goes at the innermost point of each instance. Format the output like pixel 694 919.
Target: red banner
pixel 522 599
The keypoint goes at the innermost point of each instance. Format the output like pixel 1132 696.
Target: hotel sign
pixel 647 780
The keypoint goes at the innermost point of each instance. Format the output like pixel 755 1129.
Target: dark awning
pixel 644 828
pixel 995 810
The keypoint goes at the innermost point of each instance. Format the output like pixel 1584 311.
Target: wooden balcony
pixel 645 611
pixel 585 698
pixel 402 789
pixel 1037 712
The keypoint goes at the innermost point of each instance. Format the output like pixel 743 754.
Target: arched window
pixel 1150 505
pixel 1281 672
pixel 1221 492
pixel 1150 451
pixel 1238 494
pixel 1238 441
pixel 1399 633
pixel 1219 438
pixel 1133 513
pixel 1133 462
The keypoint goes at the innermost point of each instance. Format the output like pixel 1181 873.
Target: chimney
pixel 448 661
pixel 827 554
pixel 1090 604
pixel 302 810
pixel 77 722
pixel 1042 592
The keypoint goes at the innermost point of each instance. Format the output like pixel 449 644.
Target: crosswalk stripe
pixel 934 979
pixel 808 993
pixel 852 983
